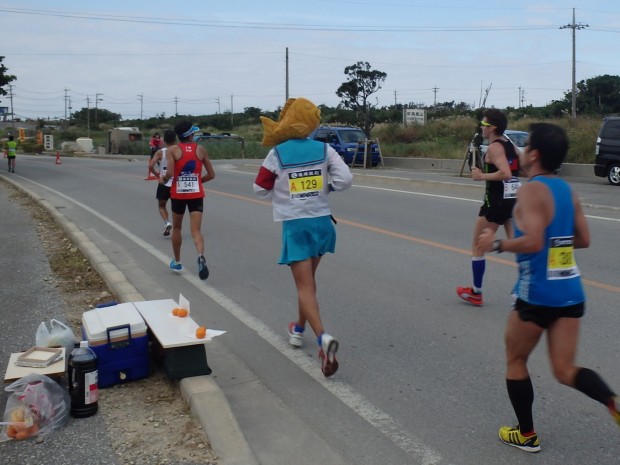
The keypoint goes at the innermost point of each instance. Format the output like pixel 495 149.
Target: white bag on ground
pixel 58 335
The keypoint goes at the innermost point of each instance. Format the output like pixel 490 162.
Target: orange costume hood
pixel 297 120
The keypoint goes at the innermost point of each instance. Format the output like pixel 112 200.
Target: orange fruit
pixel 181 312
pixel 175 311
pixel 201 332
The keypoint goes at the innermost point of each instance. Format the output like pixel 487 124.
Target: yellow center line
pixel 417 240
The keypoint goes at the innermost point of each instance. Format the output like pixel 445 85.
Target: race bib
pixel 511 187
pixel 188 184
pixel 561 262
pixel 304 184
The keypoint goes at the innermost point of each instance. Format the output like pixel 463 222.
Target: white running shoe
pixel 295 338
pixel 327 355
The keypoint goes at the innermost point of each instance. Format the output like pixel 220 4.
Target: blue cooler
pixel 117 334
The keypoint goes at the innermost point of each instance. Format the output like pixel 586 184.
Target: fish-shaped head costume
pixel 297 120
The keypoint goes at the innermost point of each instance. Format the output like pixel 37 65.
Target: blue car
pixel 348 141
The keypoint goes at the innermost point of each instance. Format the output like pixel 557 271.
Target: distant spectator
pixel 10 147
pixel 155 143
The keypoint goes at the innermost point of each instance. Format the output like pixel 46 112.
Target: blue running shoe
pixel 203 271
pixel 175 266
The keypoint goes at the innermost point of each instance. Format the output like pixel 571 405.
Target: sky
pixel 147 58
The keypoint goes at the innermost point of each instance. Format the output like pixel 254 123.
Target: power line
pixel 271 26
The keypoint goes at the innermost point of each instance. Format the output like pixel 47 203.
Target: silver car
pixel 518 138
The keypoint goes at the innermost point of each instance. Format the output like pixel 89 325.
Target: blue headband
pixel 190 131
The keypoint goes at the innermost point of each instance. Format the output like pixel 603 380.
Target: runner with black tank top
pixel 501 167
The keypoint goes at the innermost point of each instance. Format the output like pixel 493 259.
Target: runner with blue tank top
pixel 548 296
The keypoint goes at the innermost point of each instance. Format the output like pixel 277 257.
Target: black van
pixel 607 162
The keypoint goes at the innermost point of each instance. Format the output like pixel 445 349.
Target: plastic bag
pixel 36 406
pixel 59 335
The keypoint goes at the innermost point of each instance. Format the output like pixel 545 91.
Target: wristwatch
pixel 497 246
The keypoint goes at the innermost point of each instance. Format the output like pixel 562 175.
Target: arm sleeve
pixel 266 178
pixel 341 177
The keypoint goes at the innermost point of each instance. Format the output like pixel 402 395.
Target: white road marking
pixel 376 417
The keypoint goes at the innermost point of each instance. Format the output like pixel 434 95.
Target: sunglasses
pixel 484 123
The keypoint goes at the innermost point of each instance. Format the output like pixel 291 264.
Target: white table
pixel 182 353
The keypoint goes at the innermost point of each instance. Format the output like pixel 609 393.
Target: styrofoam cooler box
pixel 118 336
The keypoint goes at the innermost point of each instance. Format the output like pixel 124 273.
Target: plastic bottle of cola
pixel 83 377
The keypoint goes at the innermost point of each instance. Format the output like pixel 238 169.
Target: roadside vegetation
pixel 445 137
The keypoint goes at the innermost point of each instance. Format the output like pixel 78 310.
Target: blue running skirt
pixel 307 238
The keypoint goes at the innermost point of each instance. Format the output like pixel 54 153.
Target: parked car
pixel 607 151
pixel 518 138
pixel 348 141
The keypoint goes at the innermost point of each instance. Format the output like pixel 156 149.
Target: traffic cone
pixel 58 162
pixel 150 176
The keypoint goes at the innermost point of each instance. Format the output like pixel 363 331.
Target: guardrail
pixel 568 169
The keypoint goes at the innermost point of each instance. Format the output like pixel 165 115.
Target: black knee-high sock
pixel 593 386
pixel 521 394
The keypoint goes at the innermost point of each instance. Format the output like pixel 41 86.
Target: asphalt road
pixel 421 378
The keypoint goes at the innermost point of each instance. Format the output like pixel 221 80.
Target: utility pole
pixel 141 98
pixel 12 114
pixel 286 75
pixel 97 100
pixel 87 116
pixel 176 103
pixel 435 89
pixel 395 102
pixel 67 103
pixel 218 105
pixel 232 113
pixel 574 27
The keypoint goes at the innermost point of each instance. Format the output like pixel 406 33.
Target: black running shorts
pixel 163 192
pixel 545 316
pixel 178 206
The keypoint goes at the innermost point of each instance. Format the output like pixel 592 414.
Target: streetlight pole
pixel 141 98
pixel 97 100
pixel 574 27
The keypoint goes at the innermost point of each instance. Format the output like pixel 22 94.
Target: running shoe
pixel 295 338
pixel 468 294
pixel 327 355
pixel 176 266
pixel 513 437
pixel 203 271
pixel 167 229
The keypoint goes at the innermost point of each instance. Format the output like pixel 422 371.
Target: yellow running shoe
pixel 513 437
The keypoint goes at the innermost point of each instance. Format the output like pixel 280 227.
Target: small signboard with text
pixel 414 116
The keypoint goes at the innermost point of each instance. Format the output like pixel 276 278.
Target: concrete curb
pixel 206 400
pixel 208 404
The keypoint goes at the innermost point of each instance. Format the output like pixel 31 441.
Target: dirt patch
pixel 147 420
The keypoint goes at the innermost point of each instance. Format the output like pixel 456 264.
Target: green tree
pixel 599 95
pixel 82 117
pixel 4 78
pixel 355 93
